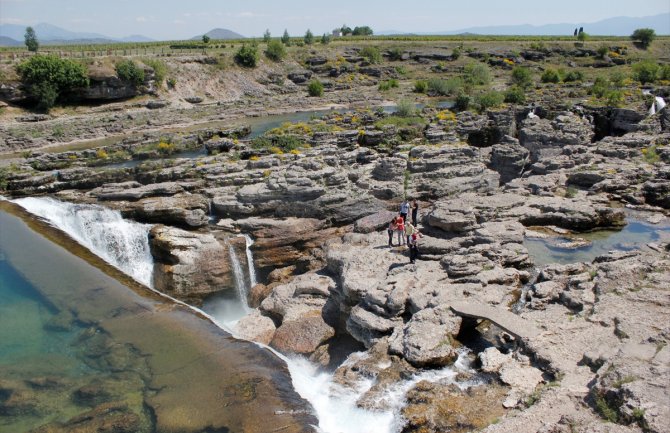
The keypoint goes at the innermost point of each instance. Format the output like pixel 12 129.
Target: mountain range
pixel 617 26
pixel 48 34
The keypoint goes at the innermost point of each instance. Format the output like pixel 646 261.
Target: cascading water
pixel 123 244
pixel 238 275
pixel 250 261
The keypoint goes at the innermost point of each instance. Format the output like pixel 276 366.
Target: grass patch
pixel 401 122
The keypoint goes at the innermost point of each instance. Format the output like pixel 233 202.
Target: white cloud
pixel 141 19
pixel 4 20
pixel 178 22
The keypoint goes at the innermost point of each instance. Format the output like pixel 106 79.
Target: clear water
pixel 633 236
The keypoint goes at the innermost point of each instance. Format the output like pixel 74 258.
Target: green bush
pixel 247 56
pixel 395 54
pixel 315 88
pixel 645 72
pixel 476 74
pixel 159 67
pixel 388 85
pixel 372 54
pixel 49 77
pixel 128 71
pixel 582 36
pixel 522 77
pixel 617 78
pixel 602 51
pixel 462 102
pixel 448 87
pixel 405 108
pixel 275 50
pixel 325 39
pixel 573 76
pixel 600 87
pixel 421 86
pixel 644 36
pixel 455 54
pixel 488 100
pixel 664 73
pixel 614 98
pixel 515 95
pixel 362 31
pixel 550 76
pixel 286 143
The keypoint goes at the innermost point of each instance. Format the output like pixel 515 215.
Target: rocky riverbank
pixel 556 348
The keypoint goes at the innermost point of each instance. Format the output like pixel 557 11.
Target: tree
pixel 205 39
pixel 309 37
pixel 582 36
pixel 266 36
pixel 286 39
pixel 362 31
pixel 346 30
pixel 47 78
pixel 644 37
pixel 31 40
pixel 325 39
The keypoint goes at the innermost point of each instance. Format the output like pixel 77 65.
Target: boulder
pixel 375 222
pixel 183 210
pixel 255 327
pixel 509 160
pixel 428 339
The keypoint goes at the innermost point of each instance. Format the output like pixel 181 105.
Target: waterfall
pixel 238 274
pixel 123 244
pixel 660 103
pixel 250 261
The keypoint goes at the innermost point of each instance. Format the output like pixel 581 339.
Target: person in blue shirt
pixel 404 209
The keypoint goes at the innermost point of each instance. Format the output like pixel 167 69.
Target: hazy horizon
pixel 171 19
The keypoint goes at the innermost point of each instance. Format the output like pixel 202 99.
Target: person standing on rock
pixel 409 231
pixel 404 210
pixel 392 228
pixel 400 229
pixel 415 211
pixel 414 246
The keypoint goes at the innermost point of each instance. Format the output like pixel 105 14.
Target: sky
pixel 179 19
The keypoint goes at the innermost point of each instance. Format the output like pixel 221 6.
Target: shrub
pixel 455 54
pixel 476 74
pixel 275 50
pixel 445 87
pixel 614 98
pixel 617 78
pixel 315 88
pixel 645 72
pixel 395 54
pixel 488 100
pixel 49 77
pixel 206 39
pixel 309 37
pixel 405 108
pixel 421 86
pixel 389 84
pixel 664 73
pixel 644 37
pixel 582 36
pixel 247 56
pixel 159 67
pixel 573 76
pixel 462 102
pixel 128 71
pixel 600 87
pixel 522 77
pixel 550 76
pixel 325 39
pixel 602 51
pixel 372 54
pixel 515 95
pixel 171 83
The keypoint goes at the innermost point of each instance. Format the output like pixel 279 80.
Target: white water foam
pixel 121 243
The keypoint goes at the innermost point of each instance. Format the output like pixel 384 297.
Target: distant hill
pixel 617 26
pixel 48 34
pixel 220 34
pixel 9 42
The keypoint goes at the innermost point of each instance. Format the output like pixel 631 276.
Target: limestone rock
pixel 255 327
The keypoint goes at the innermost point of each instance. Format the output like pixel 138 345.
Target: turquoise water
pixel 633 236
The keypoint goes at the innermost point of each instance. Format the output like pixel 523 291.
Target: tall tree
pixel 309 37
pixel 266 36
pixel 286 39
pixel 31 40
